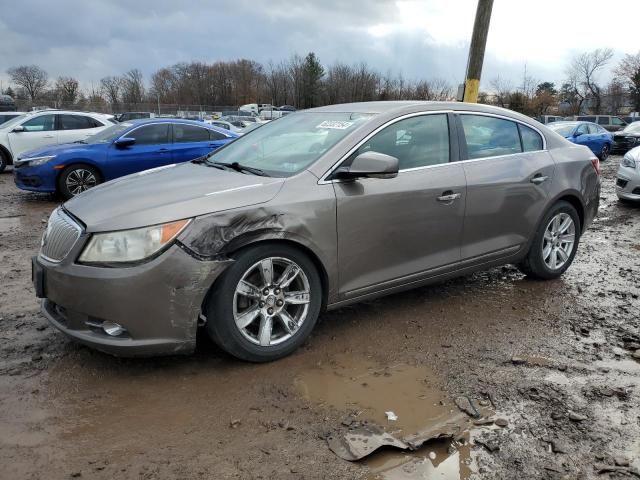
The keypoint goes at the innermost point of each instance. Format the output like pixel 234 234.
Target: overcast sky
pixel 90 39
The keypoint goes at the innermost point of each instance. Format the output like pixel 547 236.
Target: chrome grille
pixel 60 236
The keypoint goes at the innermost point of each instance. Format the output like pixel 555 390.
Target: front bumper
pixel 628 183
pixel 158 302
pixel 33 179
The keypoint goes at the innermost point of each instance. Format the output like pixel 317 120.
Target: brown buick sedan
pixel 315 210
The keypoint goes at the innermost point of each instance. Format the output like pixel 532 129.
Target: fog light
pixel 113 329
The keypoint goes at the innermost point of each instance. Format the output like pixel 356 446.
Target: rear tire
pixel 604 153
pixel 76 179
pixel 555 243
pixel 258 316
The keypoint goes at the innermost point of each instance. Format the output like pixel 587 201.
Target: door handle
pixel 448 196
pixel 538 178
pixel 164 150
pixel 49 136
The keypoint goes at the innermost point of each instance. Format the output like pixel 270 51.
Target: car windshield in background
pixel 633 128
pixel 108 134
pixel 13 121
pixel 563 129
pixel 290 144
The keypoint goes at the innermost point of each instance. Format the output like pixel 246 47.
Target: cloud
pixel 418 39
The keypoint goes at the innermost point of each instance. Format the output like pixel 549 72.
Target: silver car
pixel 317 210
pixel 628 176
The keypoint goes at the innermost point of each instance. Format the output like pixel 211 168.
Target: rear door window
pixel 603 120
pixel 213 135
pixel 75 122
pixel 490 136
pixel 150 134
pixel 189 133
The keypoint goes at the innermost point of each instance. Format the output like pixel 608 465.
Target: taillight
pixel 595 163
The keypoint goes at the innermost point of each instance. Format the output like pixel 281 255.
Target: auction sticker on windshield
pixel 335 124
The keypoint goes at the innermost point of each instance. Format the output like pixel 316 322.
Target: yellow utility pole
pixel 476 50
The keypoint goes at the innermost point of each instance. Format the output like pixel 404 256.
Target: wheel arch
pixel 300 246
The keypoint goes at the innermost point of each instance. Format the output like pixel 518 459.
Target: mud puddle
pixel 368 393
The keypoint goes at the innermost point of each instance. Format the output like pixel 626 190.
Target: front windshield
pixel 286 146
pixel 108 134
pixel 633 127
pixel 563 129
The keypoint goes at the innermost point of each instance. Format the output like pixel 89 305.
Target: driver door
pixel 38 132
pixel 394 231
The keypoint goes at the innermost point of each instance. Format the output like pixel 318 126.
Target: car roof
pixel 140 121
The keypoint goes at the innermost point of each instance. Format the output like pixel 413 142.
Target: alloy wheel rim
pixel 271 301
pixel 80 180
pixel 605 152
pixel 559 241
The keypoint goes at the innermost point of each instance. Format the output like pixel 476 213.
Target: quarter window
pixel 42 123
pixel 189 133
pixel 213 135
pixel 416 142
pixel 151 134
pixel 490 136
pixel 531 140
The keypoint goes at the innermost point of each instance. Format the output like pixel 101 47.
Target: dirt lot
pixel 550 362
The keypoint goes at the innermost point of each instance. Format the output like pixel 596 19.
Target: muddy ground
pixel 551 360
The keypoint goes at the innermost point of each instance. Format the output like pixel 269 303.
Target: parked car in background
pixel 6 116
pixel 608 122
pixel 126 116
pixel 628 176
pixel 47 127
pixel 588 134
pixel 226 125
pixel 7 104
pixel 549 118
pixel 287 108
pixel 626 139
pixel 122 149
pixel 318 209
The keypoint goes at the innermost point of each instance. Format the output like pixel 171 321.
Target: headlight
pixel 35 161
pixel 628 162
pixel 130 245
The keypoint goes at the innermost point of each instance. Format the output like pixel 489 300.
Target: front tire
pixel 266 304
pixel 555 243
pixel 4 161
pixel 76 179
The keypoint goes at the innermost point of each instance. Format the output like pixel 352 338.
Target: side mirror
pixel 18 129
pixel 123 142
pixel 369 165
pixel 577 134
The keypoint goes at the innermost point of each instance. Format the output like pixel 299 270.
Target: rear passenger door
pixel 192 141
pixel 508 174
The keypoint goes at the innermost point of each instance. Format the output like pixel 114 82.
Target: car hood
pixel 626 134
pixel 168 193
pixel 73 148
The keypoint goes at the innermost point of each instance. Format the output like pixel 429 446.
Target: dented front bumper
pixel 158 303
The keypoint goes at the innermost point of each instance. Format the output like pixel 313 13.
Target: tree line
pixel 305 82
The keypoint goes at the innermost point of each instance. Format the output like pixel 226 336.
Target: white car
pixel 39 129
pixel 225 125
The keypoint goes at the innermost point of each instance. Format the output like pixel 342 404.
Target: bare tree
pixel 628 73
pixel 132 84
pixel 111 87
pixel 501 91
pixel 67 89
pixel 585 68
pixel 30 77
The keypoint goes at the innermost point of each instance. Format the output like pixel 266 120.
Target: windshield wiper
pixel 199 160
pixel 240 168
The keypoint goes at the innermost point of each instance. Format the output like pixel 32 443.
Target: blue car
pixel 125 148
pixel 588 134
